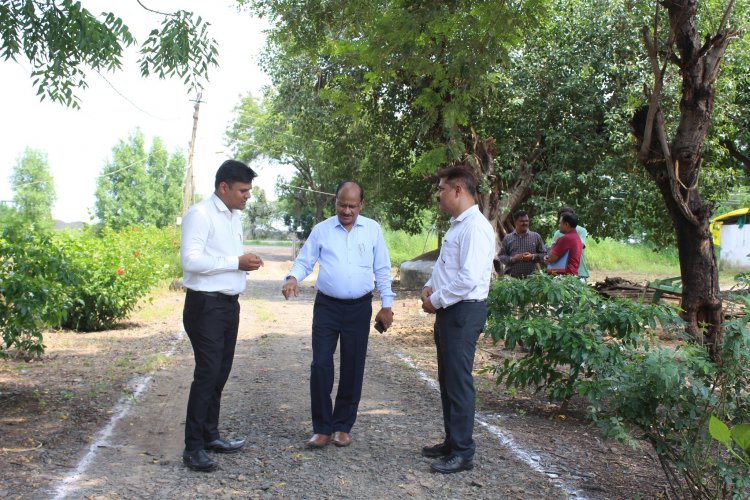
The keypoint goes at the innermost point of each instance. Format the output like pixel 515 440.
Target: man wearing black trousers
pixel 456 293
pixel 215 273
pixel 351 250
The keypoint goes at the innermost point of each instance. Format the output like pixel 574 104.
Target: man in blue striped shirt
pixel 350 249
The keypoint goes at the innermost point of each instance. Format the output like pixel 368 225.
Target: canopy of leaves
pixel 33 188
pixel 62 40
pixel 140 188
pixel 417 77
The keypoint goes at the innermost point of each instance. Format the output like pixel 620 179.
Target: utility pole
pixel 188 190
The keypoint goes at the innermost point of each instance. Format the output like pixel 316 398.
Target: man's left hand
pixel 385 316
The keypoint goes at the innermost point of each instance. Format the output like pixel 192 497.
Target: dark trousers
pixel 350 323
pixel 211 323
pixel 457 330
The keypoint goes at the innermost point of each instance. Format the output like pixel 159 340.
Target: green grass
pixel 613 255
pixel 155 362
pixel 261 312
pixel 402 246
pixel 610 255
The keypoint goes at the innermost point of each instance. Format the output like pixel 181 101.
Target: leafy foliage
pixel 259 215
pixel 736 439
pixel 114 269
pixel 571 332
pixel 62 40
pixel 80 280
pixel 139 188
pixel 673 397
pixel 33 188
pixel 32 286
pixel 676 398
pixel 564 75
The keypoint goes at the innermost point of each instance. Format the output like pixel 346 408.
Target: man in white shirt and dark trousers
pixel 215 267
pixel 456 293
pixel 350 249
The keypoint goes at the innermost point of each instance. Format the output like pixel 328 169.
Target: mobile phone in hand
pixel 379 326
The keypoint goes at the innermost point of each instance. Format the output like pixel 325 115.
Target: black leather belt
pixel 364 298
pixel 471 301
pixel 218 295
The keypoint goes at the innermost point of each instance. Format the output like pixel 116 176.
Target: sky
pixel 79 143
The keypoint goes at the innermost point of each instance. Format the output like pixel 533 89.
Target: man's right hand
pixel 522 257
pixel 290 288
pixel 250 262
pixel 426 302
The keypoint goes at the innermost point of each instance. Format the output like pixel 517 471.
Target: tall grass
pixel 611 255
pixel 402 246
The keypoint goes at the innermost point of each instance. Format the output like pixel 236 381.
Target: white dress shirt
pixel 348 260
pixel 210 248
pixel 464 267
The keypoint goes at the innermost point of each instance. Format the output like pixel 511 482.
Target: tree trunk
pixel 701 302
pixel 498 204
pixel 675 166
pixel 482 161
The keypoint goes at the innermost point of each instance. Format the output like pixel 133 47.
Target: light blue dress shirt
pixel 348 260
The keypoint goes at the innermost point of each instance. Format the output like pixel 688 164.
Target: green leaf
pixel 719 431
pixel 741 436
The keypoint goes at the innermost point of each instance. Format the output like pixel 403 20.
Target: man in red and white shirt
pixel 570 242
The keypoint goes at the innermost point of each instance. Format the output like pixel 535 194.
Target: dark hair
pixel 520 213
pixel 460 173
pixel 566 210
pixel 571 219
pixel 232 171
pixel 341 185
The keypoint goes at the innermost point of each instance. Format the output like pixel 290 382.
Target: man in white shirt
pixel 456 293
pixel 215 267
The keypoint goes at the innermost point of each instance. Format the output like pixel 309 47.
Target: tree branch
pixel 737 155
pixel 154 11
pixel 725 17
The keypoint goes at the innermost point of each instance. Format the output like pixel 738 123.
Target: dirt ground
pixel 101 416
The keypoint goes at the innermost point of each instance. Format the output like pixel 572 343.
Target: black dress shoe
pixel 437 451
pixel 199 460
pixel 451 464
pixel 224 446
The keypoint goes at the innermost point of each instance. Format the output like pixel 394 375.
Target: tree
pixel 259 215
pixel 672 152
pixel 414 69
pixel 33 188
pixel 426 85
pixel 140 188
pixel 61 40
pixel 164 177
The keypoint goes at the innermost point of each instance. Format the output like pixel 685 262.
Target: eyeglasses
pixel 344 206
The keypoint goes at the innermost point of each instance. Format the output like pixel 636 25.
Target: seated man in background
pixel 569 242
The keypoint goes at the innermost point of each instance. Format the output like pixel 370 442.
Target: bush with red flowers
pixel 83 280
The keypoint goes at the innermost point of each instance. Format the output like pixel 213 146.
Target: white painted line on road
pixel 138 386
pixel 533 461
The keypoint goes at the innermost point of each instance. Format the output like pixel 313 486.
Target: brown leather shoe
pixel 341 439
pixel 319 440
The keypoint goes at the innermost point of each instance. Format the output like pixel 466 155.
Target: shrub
pixel 672 396
pixel 569 330
pixel 675 397
pixel 79 279
pixel 114 269
pixel 32 291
